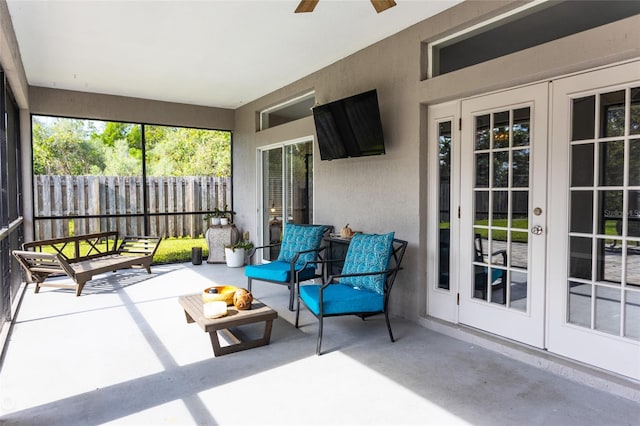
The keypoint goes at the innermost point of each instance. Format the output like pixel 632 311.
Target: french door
pixel 503 213
pixel 287 190
pixel 545 248
pixel 594 273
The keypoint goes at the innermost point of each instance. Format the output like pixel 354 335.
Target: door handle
pixel 536 230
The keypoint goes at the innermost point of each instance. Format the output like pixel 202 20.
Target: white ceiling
pixel 221 53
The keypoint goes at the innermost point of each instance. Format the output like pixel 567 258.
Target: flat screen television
pixel 349 127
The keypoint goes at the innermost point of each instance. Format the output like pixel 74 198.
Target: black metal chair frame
pixel 397 253
pixel 293 272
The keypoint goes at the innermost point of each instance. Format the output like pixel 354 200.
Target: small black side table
pixel 336 249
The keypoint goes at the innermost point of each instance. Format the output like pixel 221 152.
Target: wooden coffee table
pixel 193 309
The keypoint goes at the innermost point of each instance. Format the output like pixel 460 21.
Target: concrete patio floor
pixel 122 353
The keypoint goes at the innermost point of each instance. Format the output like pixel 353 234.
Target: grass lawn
pixel 174 250
pixel 171 250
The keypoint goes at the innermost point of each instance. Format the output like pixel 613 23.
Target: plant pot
pixel 224 221
pixel 234 258
pixel 215 221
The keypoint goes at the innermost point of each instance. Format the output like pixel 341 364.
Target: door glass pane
pixel 580 258
pixel 482 131
pixel 520 209
pixel 612 114
pixel 299 177
pixel 497 259
pixel 518 291
pixel 582 211
pixel 633 227
pixel 582 165
pixel 521 127
pixel 610 211
pixel 634 159
pixel 519 250
pixel 501 169
pixel 607 310
pixel 633 265
pixel 482 170
pixel 579 304
pixel 612 163
pixel 632 313
pixel 444 202
pixel 634 125
pixel 273 200
pixel 609 262
pixel 501 129
pixel 583 118
pixel 521 168
pixel 500 208
pixel 481 208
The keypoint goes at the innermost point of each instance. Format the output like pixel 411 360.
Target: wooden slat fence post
pixel 191 205
pixel 57 207
pixel 69 209
pixel 162 206
pixel 121 205
pixel 152 193
pixel 45 207
pixel 93 202
pixel 180 207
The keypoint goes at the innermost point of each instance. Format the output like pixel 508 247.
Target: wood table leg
pixel 239 345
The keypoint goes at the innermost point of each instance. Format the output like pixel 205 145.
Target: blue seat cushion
pixel 368 253
pixel 298 238
pixel 277 271
pixel 341 299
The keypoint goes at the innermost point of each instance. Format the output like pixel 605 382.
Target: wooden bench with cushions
pixel 83 256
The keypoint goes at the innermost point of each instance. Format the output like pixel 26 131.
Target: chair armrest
pixel 321 262
pixel 295 258
pixel 503 253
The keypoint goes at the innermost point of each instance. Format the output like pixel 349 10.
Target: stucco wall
pixel 68 103
pixel 388 193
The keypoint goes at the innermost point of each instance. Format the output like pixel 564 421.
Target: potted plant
pixel 226 216
pixel 234 253
pixel 215 217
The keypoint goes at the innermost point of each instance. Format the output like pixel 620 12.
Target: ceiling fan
pixel 309 5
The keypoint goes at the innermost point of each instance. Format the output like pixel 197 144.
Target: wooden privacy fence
pixel 62 201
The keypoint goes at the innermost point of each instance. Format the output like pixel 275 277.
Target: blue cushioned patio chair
pixel 363 286
pixel 300 244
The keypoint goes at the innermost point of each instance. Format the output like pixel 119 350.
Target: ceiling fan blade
pixel 382 5
pixel 306 6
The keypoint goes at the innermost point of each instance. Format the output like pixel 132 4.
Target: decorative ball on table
pixel 242 299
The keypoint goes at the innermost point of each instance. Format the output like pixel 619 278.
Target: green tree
pixel 64 147
pixel 119 160
pixel 188 152
pixel 84 147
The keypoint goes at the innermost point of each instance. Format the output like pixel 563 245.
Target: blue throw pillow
pixel 298 238
pixel 368 253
